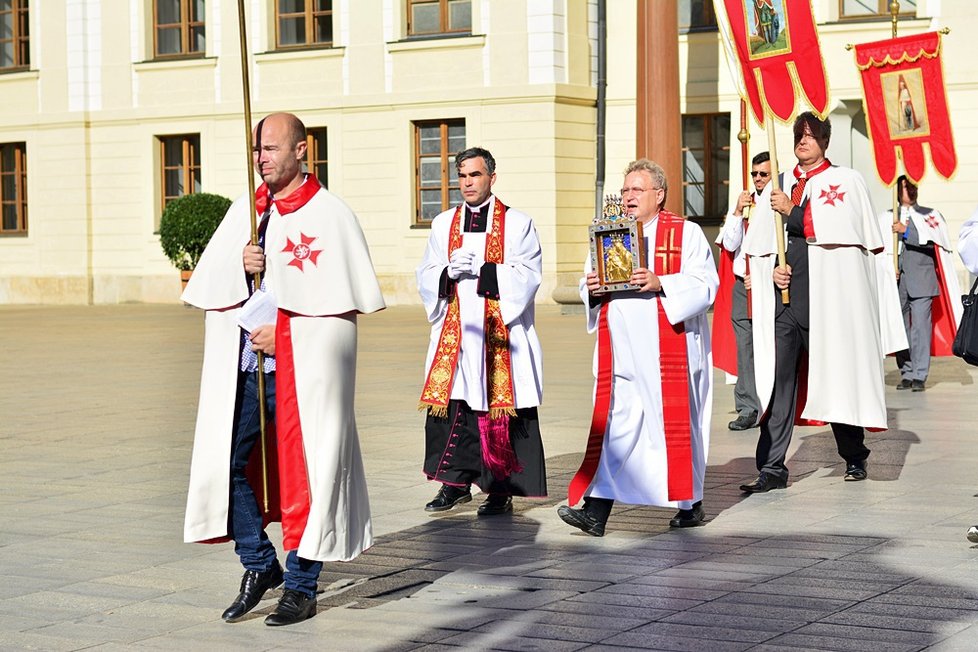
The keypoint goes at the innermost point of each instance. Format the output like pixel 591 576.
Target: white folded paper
pixel 260 309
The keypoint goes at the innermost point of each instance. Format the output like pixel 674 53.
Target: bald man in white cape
pixel 319 271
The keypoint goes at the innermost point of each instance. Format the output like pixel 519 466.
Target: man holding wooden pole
pixel 833 316
pixel 315 277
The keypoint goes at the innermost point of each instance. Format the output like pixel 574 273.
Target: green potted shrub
pixel 187 224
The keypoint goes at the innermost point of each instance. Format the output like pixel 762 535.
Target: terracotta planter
pixel 185 278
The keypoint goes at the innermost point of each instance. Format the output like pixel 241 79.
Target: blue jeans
pixel 246 528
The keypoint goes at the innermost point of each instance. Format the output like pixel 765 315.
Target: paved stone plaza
pixel 96 417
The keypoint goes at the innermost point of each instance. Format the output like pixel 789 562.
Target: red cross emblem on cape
pixel 932 221
pixel 832 194
pixel 301 251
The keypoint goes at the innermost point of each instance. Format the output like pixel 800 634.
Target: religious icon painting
pixel 906 105
pixel 906 112
pixel 617 247
pixel 767 28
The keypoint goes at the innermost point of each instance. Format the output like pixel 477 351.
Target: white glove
pixel 461 262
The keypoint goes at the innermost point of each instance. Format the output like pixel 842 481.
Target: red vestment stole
pixel 499 377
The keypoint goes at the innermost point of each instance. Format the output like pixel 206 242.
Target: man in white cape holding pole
pixel 834 316
pixel 317 277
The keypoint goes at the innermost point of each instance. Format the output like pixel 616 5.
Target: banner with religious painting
pixel 776 46
pixel 906 105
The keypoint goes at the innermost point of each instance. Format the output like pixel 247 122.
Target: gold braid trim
pixel 499 371
pixel 438 386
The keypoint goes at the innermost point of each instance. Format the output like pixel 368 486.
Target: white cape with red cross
pixel 319 269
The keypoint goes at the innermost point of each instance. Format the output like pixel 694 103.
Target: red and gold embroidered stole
pixel 674 371
pixel 499 377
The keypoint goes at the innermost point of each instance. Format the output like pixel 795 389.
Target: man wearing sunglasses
pixel 730 239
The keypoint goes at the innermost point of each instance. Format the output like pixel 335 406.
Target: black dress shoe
pixel 917 386
pixel 495 504
pixel 689 517
pixel 293 607
pixel 855 471
pixel 254 584
pixel 764 482
pixel 743 422
pixel 904 384
pixel 580 519
pixel 447 497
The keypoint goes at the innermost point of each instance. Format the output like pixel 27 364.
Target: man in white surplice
pixel 635 465
pixel 484 369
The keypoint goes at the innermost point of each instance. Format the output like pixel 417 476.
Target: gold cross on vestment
pixel 669 255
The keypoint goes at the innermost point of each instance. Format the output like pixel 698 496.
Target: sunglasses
pixel 758 173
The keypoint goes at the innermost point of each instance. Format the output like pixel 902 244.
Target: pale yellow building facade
pixel 91 107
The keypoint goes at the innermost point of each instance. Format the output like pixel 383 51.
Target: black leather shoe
pixel 581 520
pixel 689 517
pixel 495 504
pixel 293 607
pixel 855 472
pixel 904 384
pixel 743 422
pixel 917 386
pixel 254 584
pixel 447 497
pixel 764 482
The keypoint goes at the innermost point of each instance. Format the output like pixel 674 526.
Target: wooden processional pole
pixel 894 10
pixel 778 221
pixel 744 136
pixel 246 90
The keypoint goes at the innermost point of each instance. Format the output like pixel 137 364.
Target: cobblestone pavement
pixel 96 417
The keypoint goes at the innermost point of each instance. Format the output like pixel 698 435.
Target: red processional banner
pixel 906 105
pixel 776 45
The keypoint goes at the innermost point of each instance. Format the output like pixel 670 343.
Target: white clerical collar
pixel 476 209
pixel 652 219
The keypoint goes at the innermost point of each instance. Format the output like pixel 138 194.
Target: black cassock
pixel 453 445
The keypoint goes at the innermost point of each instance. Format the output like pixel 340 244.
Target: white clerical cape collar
pixel 476 209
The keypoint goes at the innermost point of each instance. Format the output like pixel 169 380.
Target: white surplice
pixel 518 277
pixel 633 466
